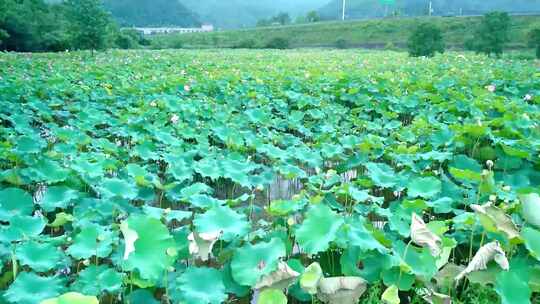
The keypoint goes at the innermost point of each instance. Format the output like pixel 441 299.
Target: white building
pixel 178 30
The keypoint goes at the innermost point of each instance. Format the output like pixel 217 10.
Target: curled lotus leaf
pixel 488 252
pixel 341 290
pixel 309 281
pixel 130 236
pixel 201 244
pixel 494 219
pixel 422 236
pixel 281 278
pixel 433 297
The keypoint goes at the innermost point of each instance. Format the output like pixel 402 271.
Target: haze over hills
pixel 246 13
pixel 152 13
pixel 358 9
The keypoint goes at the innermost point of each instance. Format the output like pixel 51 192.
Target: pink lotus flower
pixel 187 88
pixel 491 88
pixel 174 119
pixel 528 97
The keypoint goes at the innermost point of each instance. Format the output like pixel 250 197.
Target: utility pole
pixel 430 8
pixel 343 11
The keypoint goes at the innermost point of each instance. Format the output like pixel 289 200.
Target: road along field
pixel 220 176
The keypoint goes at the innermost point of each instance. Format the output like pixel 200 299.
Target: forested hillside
pixel 151 13
pixel 377 8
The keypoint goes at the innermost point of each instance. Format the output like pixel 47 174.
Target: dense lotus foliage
pixel 268 176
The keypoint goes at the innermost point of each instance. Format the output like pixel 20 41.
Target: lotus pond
pixel 232 176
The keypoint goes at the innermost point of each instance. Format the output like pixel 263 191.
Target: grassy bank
pixel 378 33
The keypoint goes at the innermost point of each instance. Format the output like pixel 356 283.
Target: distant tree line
pixel 284 19
pixel 34 25
pixel 489 37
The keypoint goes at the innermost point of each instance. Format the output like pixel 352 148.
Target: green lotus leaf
pixel 152 253
pixel 391 295
pixel 272 296
pixel 251 262
pixel 425 187
pixel 396 276
pixel 22 227
pixel 202 285
pixel 532 241
pixel 72 298
pixel 513 285
pixel 204 201
pixel 26 144
pixel 48 171
pixel 360 196
pixel 39 257
pixel 420 261
pixel 230 284
pixel 96 280
pixel 142 296
pixel 319 228
pixel 195 189
pixel 57 197
pixel 357 235
pixel 224 219
pixel 30 288
pixel 61 219
pixel 382 175
pixel 531 208
pixel 181 171
pixel 114 187
pixel 285 207
pixel 15 201
pixel 168 214
pixel 465 175
pixel 92 240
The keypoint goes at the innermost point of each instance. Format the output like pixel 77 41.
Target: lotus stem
pixel 403 258
pixel 14 265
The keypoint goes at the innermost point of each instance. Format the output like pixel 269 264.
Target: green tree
pixel 90 24
pixel 313 16
pixel 426 40
pixel 534 40
pixel 492 34
pixel 282 18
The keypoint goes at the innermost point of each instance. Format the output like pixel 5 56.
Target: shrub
pixel 492 34
pixel 534 40
pixel 246 44
pixel 278 43
pixel 426 40
pixel 341 43
pixel 390 46
pixel 128 39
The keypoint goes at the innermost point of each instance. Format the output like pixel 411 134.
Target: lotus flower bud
pixel 291 221
pixel 489 164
